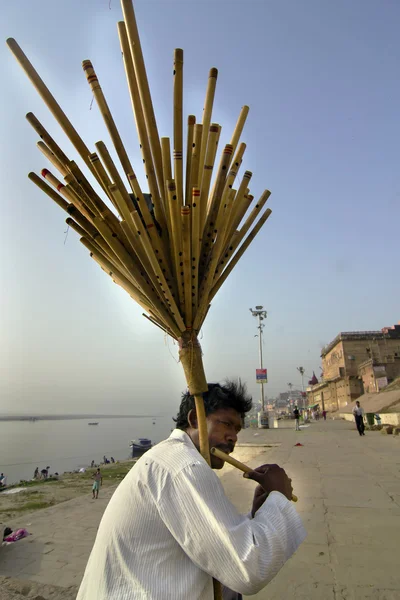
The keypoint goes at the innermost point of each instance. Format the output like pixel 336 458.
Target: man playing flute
pixel 169 528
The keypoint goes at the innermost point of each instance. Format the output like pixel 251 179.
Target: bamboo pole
pixel 157 194
pixel 207 111
pixel 189 144
pixel 178 128
pixel 233 262
pixel 145 96
pixel 50 102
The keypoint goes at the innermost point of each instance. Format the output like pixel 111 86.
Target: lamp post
pixel 260 315
pixel 302 371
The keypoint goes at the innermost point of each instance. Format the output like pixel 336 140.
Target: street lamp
pixel 260 315
pixel 301 370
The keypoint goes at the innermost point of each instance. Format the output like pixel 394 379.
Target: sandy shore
pixel 37 495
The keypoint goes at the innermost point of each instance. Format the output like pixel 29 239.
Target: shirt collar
pixel 182 436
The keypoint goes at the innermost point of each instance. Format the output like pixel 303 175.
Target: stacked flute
pixel 171 249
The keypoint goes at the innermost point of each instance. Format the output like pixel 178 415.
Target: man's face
pixel 223 427
pixel 358 404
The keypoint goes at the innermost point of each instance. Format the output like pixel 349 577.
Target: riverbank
pixel 349 500
pixel 27 497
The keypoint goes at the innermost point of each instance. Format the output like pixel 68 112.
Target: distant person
pixel 45 473
pixel 112 460
pixel 98 481
pixel 358 413
pixel 296 415
pixel 36 473
pixel 92 464
pixel 3 480
pixel 324 414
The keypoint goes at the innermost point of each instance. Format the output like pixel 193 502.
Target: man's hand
pixel 271 478
pixel 260 496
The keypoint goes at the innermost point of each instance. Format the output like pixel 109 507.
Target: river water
pixel 66 445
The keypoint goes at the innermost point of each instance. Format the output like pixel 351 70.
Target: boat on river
pixel 140 446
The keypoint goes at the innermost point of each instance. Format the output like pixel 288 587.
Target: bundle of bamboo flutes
pixel 172 248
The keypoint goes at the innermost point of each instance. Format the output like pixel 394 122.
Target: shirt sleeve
pixel 244 554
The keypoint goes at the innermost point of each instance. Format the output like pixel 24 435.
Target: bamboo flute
pixel 233 262
pixel 167 174
pixel 212 147
pixel 149 223
pixel 102 174
pixel 187 267
pixel 47 139
pixel 157 194
pixel 145 96
pixel 178 127
pixel 194 165
pixel 237 132
pixel 195 245
pixel 207 111
pixel 160 325
pixel 94 236
pixel 59 200
pixel 223 207
pixel 189 144
pixel 101 101
pixel 133 218
pixel 82 187
pixel 50 101
pixel 237 239
pixel 236 463
pixel 67 194
pixel 52 158
pixel 176 240
pixel 239 207
pixel 214 205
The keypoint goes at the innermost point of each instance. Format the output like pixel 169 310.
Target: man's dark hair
pixel 231 394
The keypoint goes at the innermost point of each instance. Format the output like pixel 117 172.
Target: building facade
pixel 354 363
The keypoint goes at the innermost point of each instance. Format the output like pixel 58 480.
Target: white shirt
pixel 169 528
pixel 359 411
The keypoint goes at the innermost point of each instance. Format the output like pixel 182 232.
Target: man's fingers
pixel 265 468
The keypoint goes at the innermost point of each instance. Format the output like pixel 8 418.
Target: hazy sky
pixel 321 79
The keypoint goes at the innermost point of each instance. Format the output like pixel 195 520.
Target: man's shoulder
pixel 173 455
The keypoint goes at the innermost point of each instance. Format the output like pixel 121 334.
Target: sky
pixel 321 80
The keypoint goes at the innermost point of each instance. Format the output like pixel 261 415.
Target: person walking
pixel 98 481
pixel 296 414
pixel 358 413
pixel 324 414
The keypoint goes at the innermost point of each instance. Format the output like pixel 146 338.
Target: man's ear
pixel 192 418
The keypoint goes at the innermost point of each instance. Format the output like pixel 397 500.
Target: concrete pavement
pixel 349 499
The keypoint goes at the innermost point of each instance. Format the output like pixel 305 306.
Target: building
pixel 355 363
